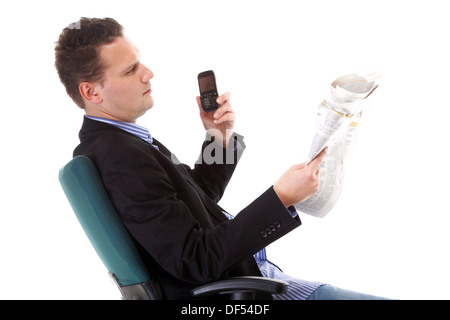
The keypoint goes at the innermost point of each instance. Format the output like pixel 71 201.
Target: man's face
pixel 126 89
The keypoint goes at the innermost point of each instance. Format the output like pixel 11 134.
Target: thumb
pixel 314 164
pixel 199 103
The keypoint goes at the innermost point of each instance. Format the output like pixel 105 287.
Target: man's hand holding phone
pixel 215 111
pixel 219 123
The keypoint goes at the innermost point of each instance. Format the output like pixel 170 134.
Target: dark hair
pixel 76 53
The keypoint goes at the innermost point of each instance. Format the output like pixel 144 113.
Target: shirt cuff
pixel 292 211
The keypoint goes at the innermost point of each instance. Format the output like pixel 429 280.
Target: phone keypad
pixel 209 102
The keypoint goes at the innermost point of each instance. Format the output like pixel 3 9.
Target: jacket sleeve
pixel 218 162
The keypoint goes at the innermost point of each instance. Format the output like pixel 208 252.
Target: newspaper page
pixel 336 123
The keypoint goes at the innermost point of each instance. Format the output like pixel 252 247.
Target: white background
pixel 388 235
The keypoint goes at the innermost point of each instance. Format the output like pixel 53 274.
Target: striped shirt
pixel 297 289
pixel 133 128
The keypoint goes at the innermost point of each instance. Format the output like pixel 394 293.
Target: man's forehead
pixel 120 53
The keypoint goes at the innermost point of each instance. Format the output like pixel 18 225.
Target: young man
pixel 184 236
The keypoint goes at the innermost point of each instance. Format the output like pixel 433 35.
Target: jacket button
pixel 264 234
pixel 277 224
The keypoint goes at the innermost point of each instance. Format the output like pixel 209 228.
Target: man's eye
pixel 130 71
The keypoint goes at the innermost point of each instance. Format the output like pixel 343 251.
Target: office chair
pixel 115 247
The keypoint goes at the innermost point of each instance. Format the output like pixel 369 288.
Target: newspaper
pixel 336 124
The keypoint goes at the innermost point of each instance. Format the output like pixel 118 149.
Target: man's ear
pixel 89 93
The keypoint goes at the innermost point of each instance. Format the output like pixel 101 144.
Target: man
pixel 184 236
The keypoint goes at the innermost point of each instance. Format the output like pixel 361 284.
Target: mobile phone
pixel 208 90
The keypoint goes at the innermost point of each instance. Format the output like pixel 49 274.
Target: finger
pixel 317 172
pixel 314 164
pixel 299 166
pixel 227 117
pixel 199 103
pixel 223 109
pixel 223 98
pixel 200 108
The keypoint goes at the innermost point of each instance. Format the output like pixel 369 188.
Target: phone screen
pixel 207 83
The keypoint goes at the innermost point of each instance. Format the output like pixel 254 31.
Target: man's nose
pixel 148 74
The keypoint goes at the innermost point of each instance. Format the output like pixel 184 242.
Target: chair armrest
pixel 241 288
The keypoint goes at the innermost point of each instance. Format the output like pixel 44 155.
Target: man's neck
pixel 104 115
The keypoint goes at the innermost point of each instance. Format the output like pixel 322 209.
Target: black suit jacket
pixel 172 213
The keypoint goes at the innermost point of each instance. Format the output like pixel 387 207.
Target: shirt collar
pixel 132 128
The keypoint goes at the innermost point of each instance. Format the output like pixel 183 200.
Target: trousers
pixel 329 292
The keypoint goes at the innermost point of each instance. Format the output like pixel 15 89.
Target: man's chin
pixel 149 103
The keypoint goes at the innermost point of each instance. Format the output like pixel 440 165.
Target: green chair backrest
pixel 100 221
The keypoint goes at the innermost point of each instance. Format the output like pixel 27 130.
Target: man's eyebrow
pixel 131 66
